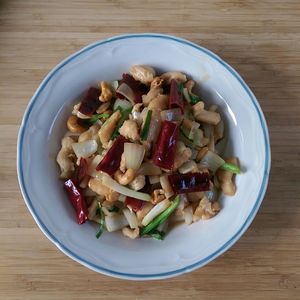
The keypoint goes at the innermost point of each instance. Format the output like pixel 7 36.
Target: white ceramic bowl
pixel 186 247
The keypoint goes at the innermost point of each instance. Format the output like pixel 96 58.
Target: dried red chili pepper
pixel 76 198
pixel 133 203
pixel 164 153
pixel 111 161
pixel 90 102
pixel 189 182
pixel 175 98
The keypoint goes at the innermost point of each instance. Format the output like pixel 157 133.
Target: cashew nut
pixel 90 134
pixel 201 153
pixel 73 125
pixel 219 131
pixel 125 178
pixel 206 209
pixel 123 163
pixel 108 127
pixel 103 107
pixel 157 82
pixel 131 233
pixel 178 76
pixel 153 93
pixel 195 196
pixel 106 93
pixel 158 195
pixel 64 157
pixel 138 183
pixel 99 188
pixel 205 116
pixel 130 130
pixel 226 179
pixel 160 102
pixel 165 184
pixel 182 155
pixel 144 74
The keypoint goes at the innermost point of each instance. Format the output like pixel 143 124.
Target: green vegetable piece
pixel 180 87
pixel 159 235
pixel 194 99
pixel 161 218
pixel 125 115
pixel 231 168
pixel 113 209
pixel 146 127
pixel 184 138
pixel 101 221
pixel 95 118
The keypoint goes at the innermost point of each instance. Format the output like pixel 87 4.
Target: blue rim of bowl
pixel 131 276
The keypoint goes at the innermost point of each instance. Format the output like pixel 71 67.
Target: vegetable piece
pixel 131 218
pixel 133 203
pixel 85 149
pixel 189 182
pixel 126 91
pixel 125 116
pixel 149 169
pixel 165 184
pixel 212 160
pixel 145 131
pixel 137 87
pixel 186 95
pixel 76 198
pixel 90 102
pixel 113 209
pixel 91 171
pixel 158 235
pixel 100 218
pixel 175 98
pixel 155 211
pixel 194 98
pixel 115 186
pixel 162 217
pixel 134 155
pixel 164 153
pixel 231 168
pixel 123 104
pixel 183 137
pixel 115 222
pixel 154 179
pixel 81 170
pixel 114 84
pixel 188 215
pixel 174 115
pixel 96 117
pixel 111 161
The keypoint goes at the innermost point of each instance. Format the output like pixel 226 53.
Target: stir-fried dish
pixel 140 154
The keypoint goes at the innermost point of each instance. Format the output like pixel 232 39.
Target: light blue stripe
pixel 158 275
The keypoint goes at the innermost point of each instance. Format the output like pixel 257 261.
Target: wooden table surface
pixel 260 39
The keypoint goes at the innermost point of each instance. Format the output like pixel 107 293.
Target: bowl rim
pixel 162 275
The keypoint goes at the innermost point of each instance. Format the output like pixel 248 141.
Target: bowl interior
pixel 185 247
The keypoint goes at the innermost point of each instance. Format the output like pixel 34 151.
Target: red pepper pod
pixel 175 98
pixel 90 102
pixel 77 200
pixel 111 161
pixel 164 153
pixel 81 170
pixel 189 182
pixel 133 203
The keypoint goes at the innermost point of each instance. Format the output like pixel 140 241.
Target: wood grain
pixel 260 39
